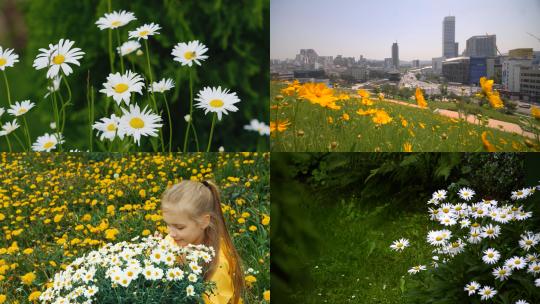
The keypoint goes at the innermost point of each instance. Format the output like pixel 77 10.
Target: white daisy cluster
pixel 480 222
pixel 126 267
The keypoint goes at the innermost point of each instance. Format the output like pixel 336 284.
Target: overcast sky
pixel 369 27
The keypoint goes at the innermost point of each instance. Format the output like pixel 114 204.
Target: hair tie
pixel 206 184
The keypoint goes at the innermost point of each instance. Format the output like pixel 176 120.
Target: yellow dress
pixel 223 291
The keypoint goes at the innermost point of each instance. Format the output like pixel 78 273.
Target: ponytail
pixel 221 236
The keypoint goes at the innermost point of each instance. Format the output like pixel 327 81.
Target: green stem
pixel 190 122
pixel 9 143
pixel 27 133
pixel 150 75
pixel 211 132
pixel 119 45
pixel 111 54
pixel 56 114
pixel 196 137
pixel 170 121
pixel 20 142
pixel 7 88
pixel 68 102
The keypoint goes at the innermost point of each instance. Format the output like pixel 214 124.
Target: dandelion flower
pixel 145 31
pixel 466 193
pixel 188 53
pixel 138 123
pixel 57 57
pixel 257 126
pixel 7 58
pixel 128 47
pixel 121 86
pixel 9 127
pixel 47 142
pixel 400 244
pixel 161 86
pixel 487 292
pixel 20 108
pixel 108 127
pixel 217 100
pixel 472 287
pixel 491 256
pixel 115 20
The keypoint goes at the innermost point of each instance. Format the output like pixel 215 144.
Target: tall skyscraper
pixel 450 47
pixel 481 46
pixel 395 55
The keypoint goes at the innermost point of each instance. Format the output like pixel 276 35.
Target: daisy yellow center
pixel 439 238
pixel 490 231
pixel 528 242
pixel 59 59
pixel 143 33
pixel 455 245
pixel 111 127
pixel 216 103
pixel 22 111
pixel 116 23
pixel 48 145
pixel 138 123
pixel 517 262
pixel 3 61
pixel 189 55
pixel 121 88
pixel 490 255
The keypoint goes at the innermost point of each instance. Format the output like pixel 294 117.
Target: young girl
pixel 192 211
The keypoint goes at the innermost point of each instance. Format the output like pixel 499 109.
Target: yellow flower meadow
pixel 68 204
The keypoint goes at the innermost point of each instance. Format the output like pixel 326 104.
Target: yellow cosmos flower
pixel 495 100
pixel 489 147
pixel 420 98
pixel 280 126
pixel 318 93
pixel 407 147
pixel 381 117
pixel 535 112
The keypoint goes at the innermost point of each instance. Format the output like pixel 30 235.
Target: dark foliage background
pixel 235 32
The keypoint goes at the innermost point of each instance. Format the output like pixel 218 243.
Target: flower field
pixel 57 207
pixel 312 117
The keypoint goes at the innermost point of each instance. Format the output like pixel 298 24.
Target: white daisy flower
pixel 139 123
pixel 7 58
pixel 472 287
pixel 190 291
pixel 466 193
pixel 217 100
pixel 187 53
pixel 128 47
pixel 20 108
pixel 491 231
pixel 192 277
pixel 161 86
pixel 261 127
pixel 57 57
pixel 439 195
pixel 416 269
pixel 108 127
pixel 115 19
pixel 121 86
pixel 521 194
pixel 537 282
pixel 9 127
pixel 400 244
pixel 515 262
pixel 2 111
pixel 502 273
pixel 47 142
pixel 487 292
pixel 534 268
pixel 521 302
pixel 529 240
pixel 438 237
pixel 491 256
pixel 145 31
pixel 221 149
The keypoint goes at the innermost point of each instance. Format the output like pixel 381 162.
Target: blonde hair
pixel 197 199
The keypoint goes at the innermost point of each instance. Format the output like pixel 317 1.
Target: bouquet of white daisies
pixel 151 270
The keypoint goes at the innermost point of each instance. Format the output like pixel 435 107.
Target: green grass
pixel 424 130
pixel 354 262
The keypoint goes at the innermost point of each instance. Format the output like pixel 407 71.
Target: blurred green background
pixel 235 32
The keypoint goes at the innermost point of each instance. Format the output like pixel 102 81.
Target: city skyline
pixel 329 28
